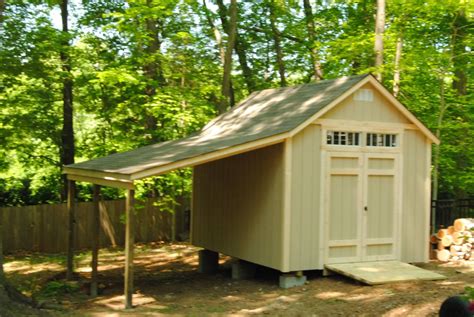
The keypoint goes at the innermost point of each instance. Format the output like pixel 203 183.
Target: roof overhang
pixel 126 180
pixel 104 180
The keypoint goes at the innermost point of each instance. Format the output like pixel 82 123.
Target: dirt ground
pixel 167 282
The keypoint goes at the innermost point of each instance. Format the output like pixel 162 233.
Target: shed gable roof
pixel 265 117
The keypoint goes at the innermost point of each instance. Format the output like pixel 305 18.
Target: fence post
pixel 1 244
pixel 433 216
pixel 71 193
pixel 95 239
pixel 129 244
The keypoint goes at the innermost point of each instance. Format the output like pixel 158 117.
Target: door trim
pixel 361 243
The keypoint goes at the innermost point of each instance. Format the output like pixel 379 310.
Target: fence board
pixel 448 210
pixel 43 228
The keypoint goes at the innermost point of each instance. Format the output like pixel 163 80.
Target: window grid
pixel 343 138
pixel 381 139
pixel 347 138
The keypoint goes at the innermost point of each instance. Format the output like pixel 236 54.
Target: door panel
pixel 380 206
pixel 344 203
pixel 361 207
pixel 344 211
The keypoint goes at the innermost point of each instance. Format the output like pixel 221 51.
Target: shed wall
pixel 416 197
pixel 238 204
pixel 305 199
pixel 377 110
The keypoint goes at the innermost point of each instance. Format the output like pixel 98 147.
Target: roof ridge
pixel 316 83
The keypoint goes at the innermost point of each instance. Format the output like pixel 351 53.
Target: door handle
pixel 365 208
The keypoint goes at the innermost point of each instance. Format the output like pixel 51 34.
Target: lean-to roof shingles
pixel 263 114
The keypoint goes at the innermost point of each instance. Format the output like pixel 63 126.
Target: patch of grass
pixel 216 309
pixel 58 288
pixel 171 308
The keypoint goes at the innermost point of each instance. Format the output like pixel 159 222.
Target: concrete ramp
pixel 381 272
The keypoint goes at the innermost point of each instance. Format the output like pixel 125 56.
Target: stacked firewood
pixel 456 242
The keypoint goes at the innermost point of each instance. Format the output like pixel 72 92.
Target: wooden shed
pixel 296 178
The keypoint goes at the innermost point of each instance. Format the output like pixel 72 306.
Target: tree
pixel 272 7
pixel 308 13
pixel 67 134
pixel 149 71
pixel 396 70
pixel 379 31
pixel 226 80
pixel 2 8
pixel 460 27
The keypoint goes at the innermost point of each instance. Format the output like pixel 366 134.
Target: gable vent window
pixel 381 139
pixel 364 95
pixel 343 138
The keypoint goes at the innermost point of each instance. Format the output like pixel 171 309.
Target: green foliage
pixel 469 293
pixel 150 71
pixel 57 288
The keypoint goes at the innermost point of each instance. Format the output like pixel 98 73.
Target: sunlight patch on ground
pixel 329 295
pixel 107 267
pixel 413 310
pixel 365 297
pixel 444 283
pixel 117 302
pixel 399 311
pixel 231 298
pixel 26 268
pixel 279 303
pixel 270 295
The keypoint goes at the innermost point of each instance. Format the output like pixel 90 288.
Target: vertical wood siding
pixel 237 206
pixel 415 209
pixel 305 199
pixel 377 110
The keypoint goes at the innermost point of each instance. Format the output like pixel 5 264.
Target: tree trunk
pixel 223 12
pixel 67 134
pixel 2 9
pixel 396 71
pixel 226 80
pixel 152 70
pixel 436 150
pixel 308 13
pixel 240 47
pixel 277 44
pixel 215 30
pixel 459 57
pixel 1 247
pixel 379 30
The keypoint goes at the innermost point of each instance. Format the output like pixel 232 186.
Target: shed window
pixel 364 95
pixel 381 139
pixel 343 138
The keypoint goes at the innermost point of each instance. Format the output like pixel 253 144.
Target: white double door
pixel 362 206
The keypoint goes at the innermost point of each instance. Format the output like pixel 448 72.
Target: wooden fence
pixel 43 228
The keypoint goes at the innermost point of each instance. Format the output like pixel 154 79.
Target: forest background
pixel 84 79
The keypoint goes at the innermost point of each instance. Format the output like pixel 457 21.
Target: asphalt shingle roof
pixel 263 114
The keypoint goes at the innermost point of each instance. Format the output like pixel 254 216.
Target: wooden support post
pixel 95 239
pixel 71 193
pixel 129 241
pixel 1 246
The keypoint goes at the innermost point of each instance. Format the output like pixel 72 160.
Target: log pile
pixel 455 243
